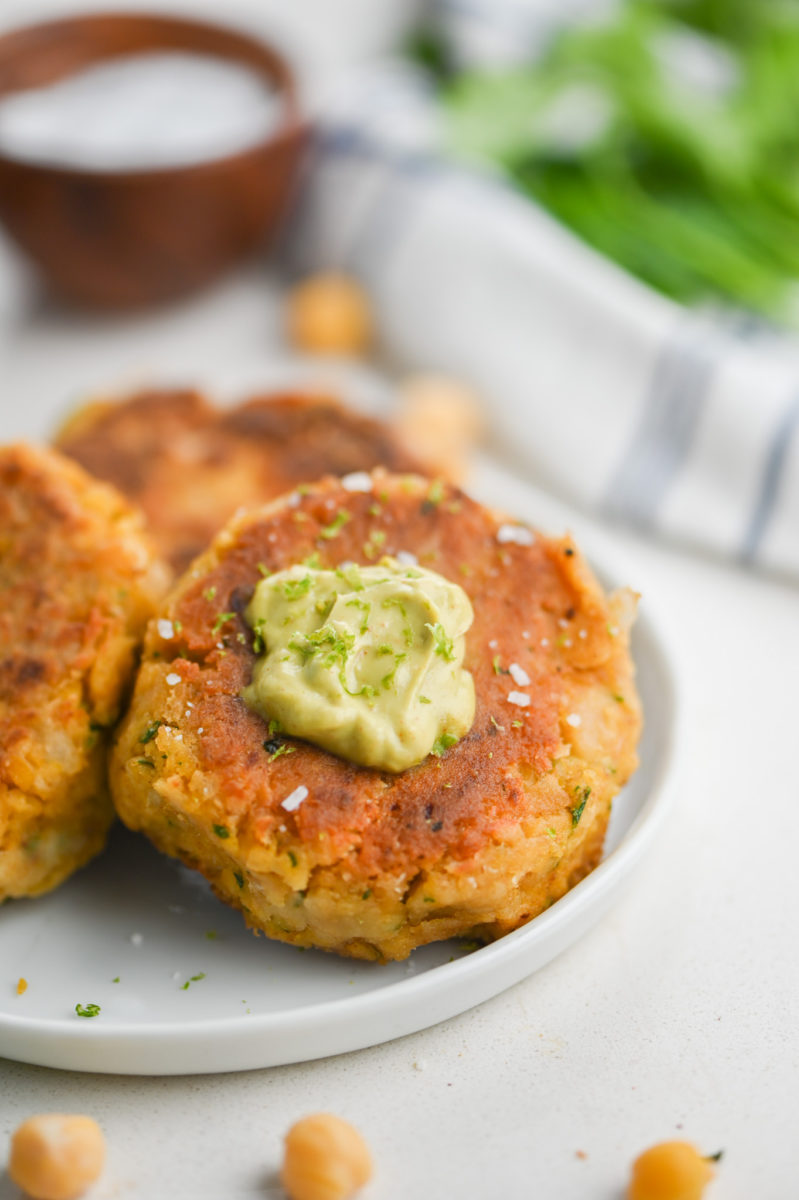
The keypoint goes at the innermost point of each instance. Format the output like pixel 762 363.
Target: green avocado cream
pixel 363 661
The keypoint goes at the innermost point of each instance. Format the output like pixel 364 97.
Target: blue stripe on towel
pixel 668 422
pixel 770 481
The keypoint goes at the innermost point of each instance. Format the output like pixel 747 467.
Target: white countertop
pixel 677 1016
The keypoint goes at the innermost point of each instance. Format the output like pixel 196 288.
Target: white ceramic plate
pixel 140 918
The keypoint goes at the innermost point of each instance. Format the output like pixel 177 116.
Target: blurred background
pixel 501 182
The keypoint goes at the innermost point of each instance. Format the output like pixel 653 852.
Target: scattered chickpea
pixel 440 420
pixel 324 1159
pixel 330 314
pixel 670 1171
pixel 56 1157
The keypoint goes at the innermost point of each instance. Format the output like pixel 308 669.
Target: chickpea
pixel 324 1159
pixel 330 314
pixel 440 420
pixel 670 1171
pixel 56 1157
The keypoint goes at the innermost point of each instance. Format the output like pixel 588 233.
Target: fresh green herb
pixel 496 663
pixel 374 510
pixel 209 594
pixel 388 679
pixel 395 602
pixel 283 748
pixel 150 732
pixel 263 570
pixel 444 646
pixel 221 831
pixel 717 1157
pixel 333 646
pixel 425 700
pixel 336 525
pixel 429 899
pixel 87 1010
pixel 115 979
pixel 365 608
pixel 292 858
pixel 313 561
pixel 577 811
pixel 351 575
pixel 221 620
pixel 211 934
pixel 516 724
pixel 146 762
pixel 684 177
pixel 443 743
pixel 496 724
pixel 365 895
pixel 619 699
pixel 436 493
pixel 237 875
pixel 193 979
pixel 374 544
pixel 294 589
pixel 258 640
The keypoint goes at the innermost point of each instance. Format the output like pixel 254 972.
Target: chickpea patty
pixel 189 466
pixel 77 585
pixel 477 838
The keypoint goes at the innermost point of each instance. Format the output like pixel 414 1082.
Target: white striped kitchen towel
pixel 682 424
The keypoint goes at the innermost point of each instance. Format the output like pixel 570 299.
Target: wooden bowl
pixel 122 239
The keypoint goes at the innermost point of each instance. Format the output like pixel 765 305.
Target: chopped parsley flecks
pixel 374 544
pixel 443 743
pixel 150 732
pixel 282 748
pixel 209 594
pixel 145 762
pixel 221 831
pixel 263 570
pixel 221 620
pixel 351 575
pixel 577 811
pixel 237 875
pixel 436 492
pixel 193 979
pixel 365 608
pixel 336 525
pixel 425 700
pixel 87 1010
pixel 295 589
pixel 444 646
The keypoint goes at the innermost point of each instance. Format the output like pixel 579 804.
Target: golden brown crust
pixel 478 840
pixel 190 466
pixel 77 584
